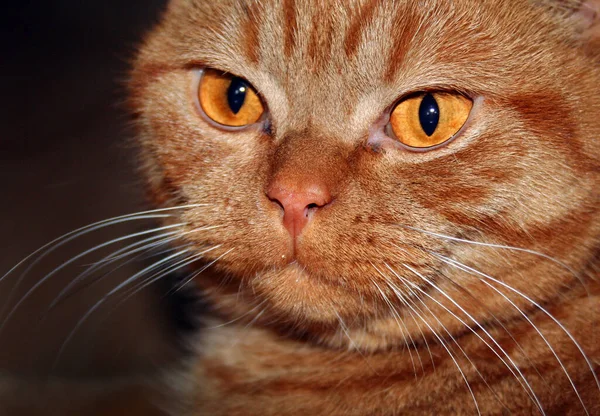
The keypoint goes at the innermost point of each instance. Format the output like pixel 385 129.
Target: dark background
pixel 66 160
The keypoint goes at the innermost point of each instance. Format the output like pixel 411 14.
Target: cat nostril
pixel 309 206
pixel 298 201
pixel 276 201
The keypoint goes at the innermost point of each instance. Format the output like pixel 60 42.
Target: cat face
pixel 326 205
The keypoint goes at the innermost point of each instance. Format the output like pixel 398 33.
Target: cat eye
pixel 228 100
pixel 429 119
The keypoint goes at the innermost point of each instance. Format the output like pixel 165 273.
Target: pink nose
pixel 299 201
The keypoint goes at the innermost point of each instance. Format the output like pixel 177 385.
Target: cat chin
pixel 299 295
pixel 292 300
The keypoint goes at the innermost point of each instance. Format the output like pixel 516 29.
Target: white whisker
pixel 441 342
pixel 95 280
pixel 170 269
pixel 401 325
pixel 497 321
pixel 130 249
pixel 181 263
pixel 352 345
pixel 239 317
pixel 117 255
pixel 406 284
pixel 53 245
pixel 121 253
pixel 95 226
pixel 196 274
pixel 502 247
pixel 65 264
pixel 161 274
pixel 527 387
pixel 537 305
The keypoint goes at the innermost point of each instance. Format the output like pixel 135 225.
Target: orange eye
pixel 228 100
pixel 429 119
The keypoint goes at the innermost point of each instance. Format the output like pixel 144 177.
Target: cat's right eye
pixel 228 100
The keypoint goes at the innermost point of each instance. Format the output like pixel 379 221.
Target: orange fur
pixel 335 331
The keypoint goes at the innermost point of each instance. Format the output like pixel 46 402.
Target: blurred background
pixel 66 161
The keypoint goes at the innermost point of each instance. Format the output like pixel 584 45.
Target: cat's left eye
pixel 228 100
pixel 427 120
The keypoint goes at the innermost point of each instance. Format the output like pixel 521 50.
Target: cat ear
pixel 583 15
pixel 587 18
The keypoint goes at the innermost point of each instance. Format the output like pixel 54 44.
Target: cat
pixel 390 207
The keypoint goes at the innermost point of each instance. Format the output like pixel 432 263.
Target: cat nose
pixel 299 201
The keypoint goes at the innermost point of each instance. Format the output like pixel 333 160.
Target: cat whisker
pixel 455 342
pixel 142 255
pixel 100 302
pixel 352 344
pixel 424 340
pixel 473 271
pixel 158 276
pixel 239 317
pixel 187 261
pixel 196 274
pixel 146 244
pixel 170 268
pixel 344 329
pixel 409 285
pixel 412 317
pixel 502 247
pixel 200 255
pixel 401 326
pixel 43 280
pixel 49 247
pixel 130 249
pixel 497 321
pixel 165 238
pixel 247 327
pixel 527 387
pixel 255 319
pixel 441 341
pixel 124 298
pixel 55 244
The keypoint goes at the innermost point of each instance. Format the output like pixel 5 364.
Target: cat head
pixel 362 162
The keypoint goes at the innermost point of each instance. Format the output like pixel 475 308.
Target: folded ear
pixel 587 18
pixel 583 15
pixel 581 18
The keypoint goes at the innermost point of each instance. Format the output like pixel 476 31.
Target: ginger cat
pixel 392 207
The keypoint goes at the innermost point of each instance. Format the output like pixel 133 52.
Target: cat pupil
pixel 236 94
pixel 429 114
